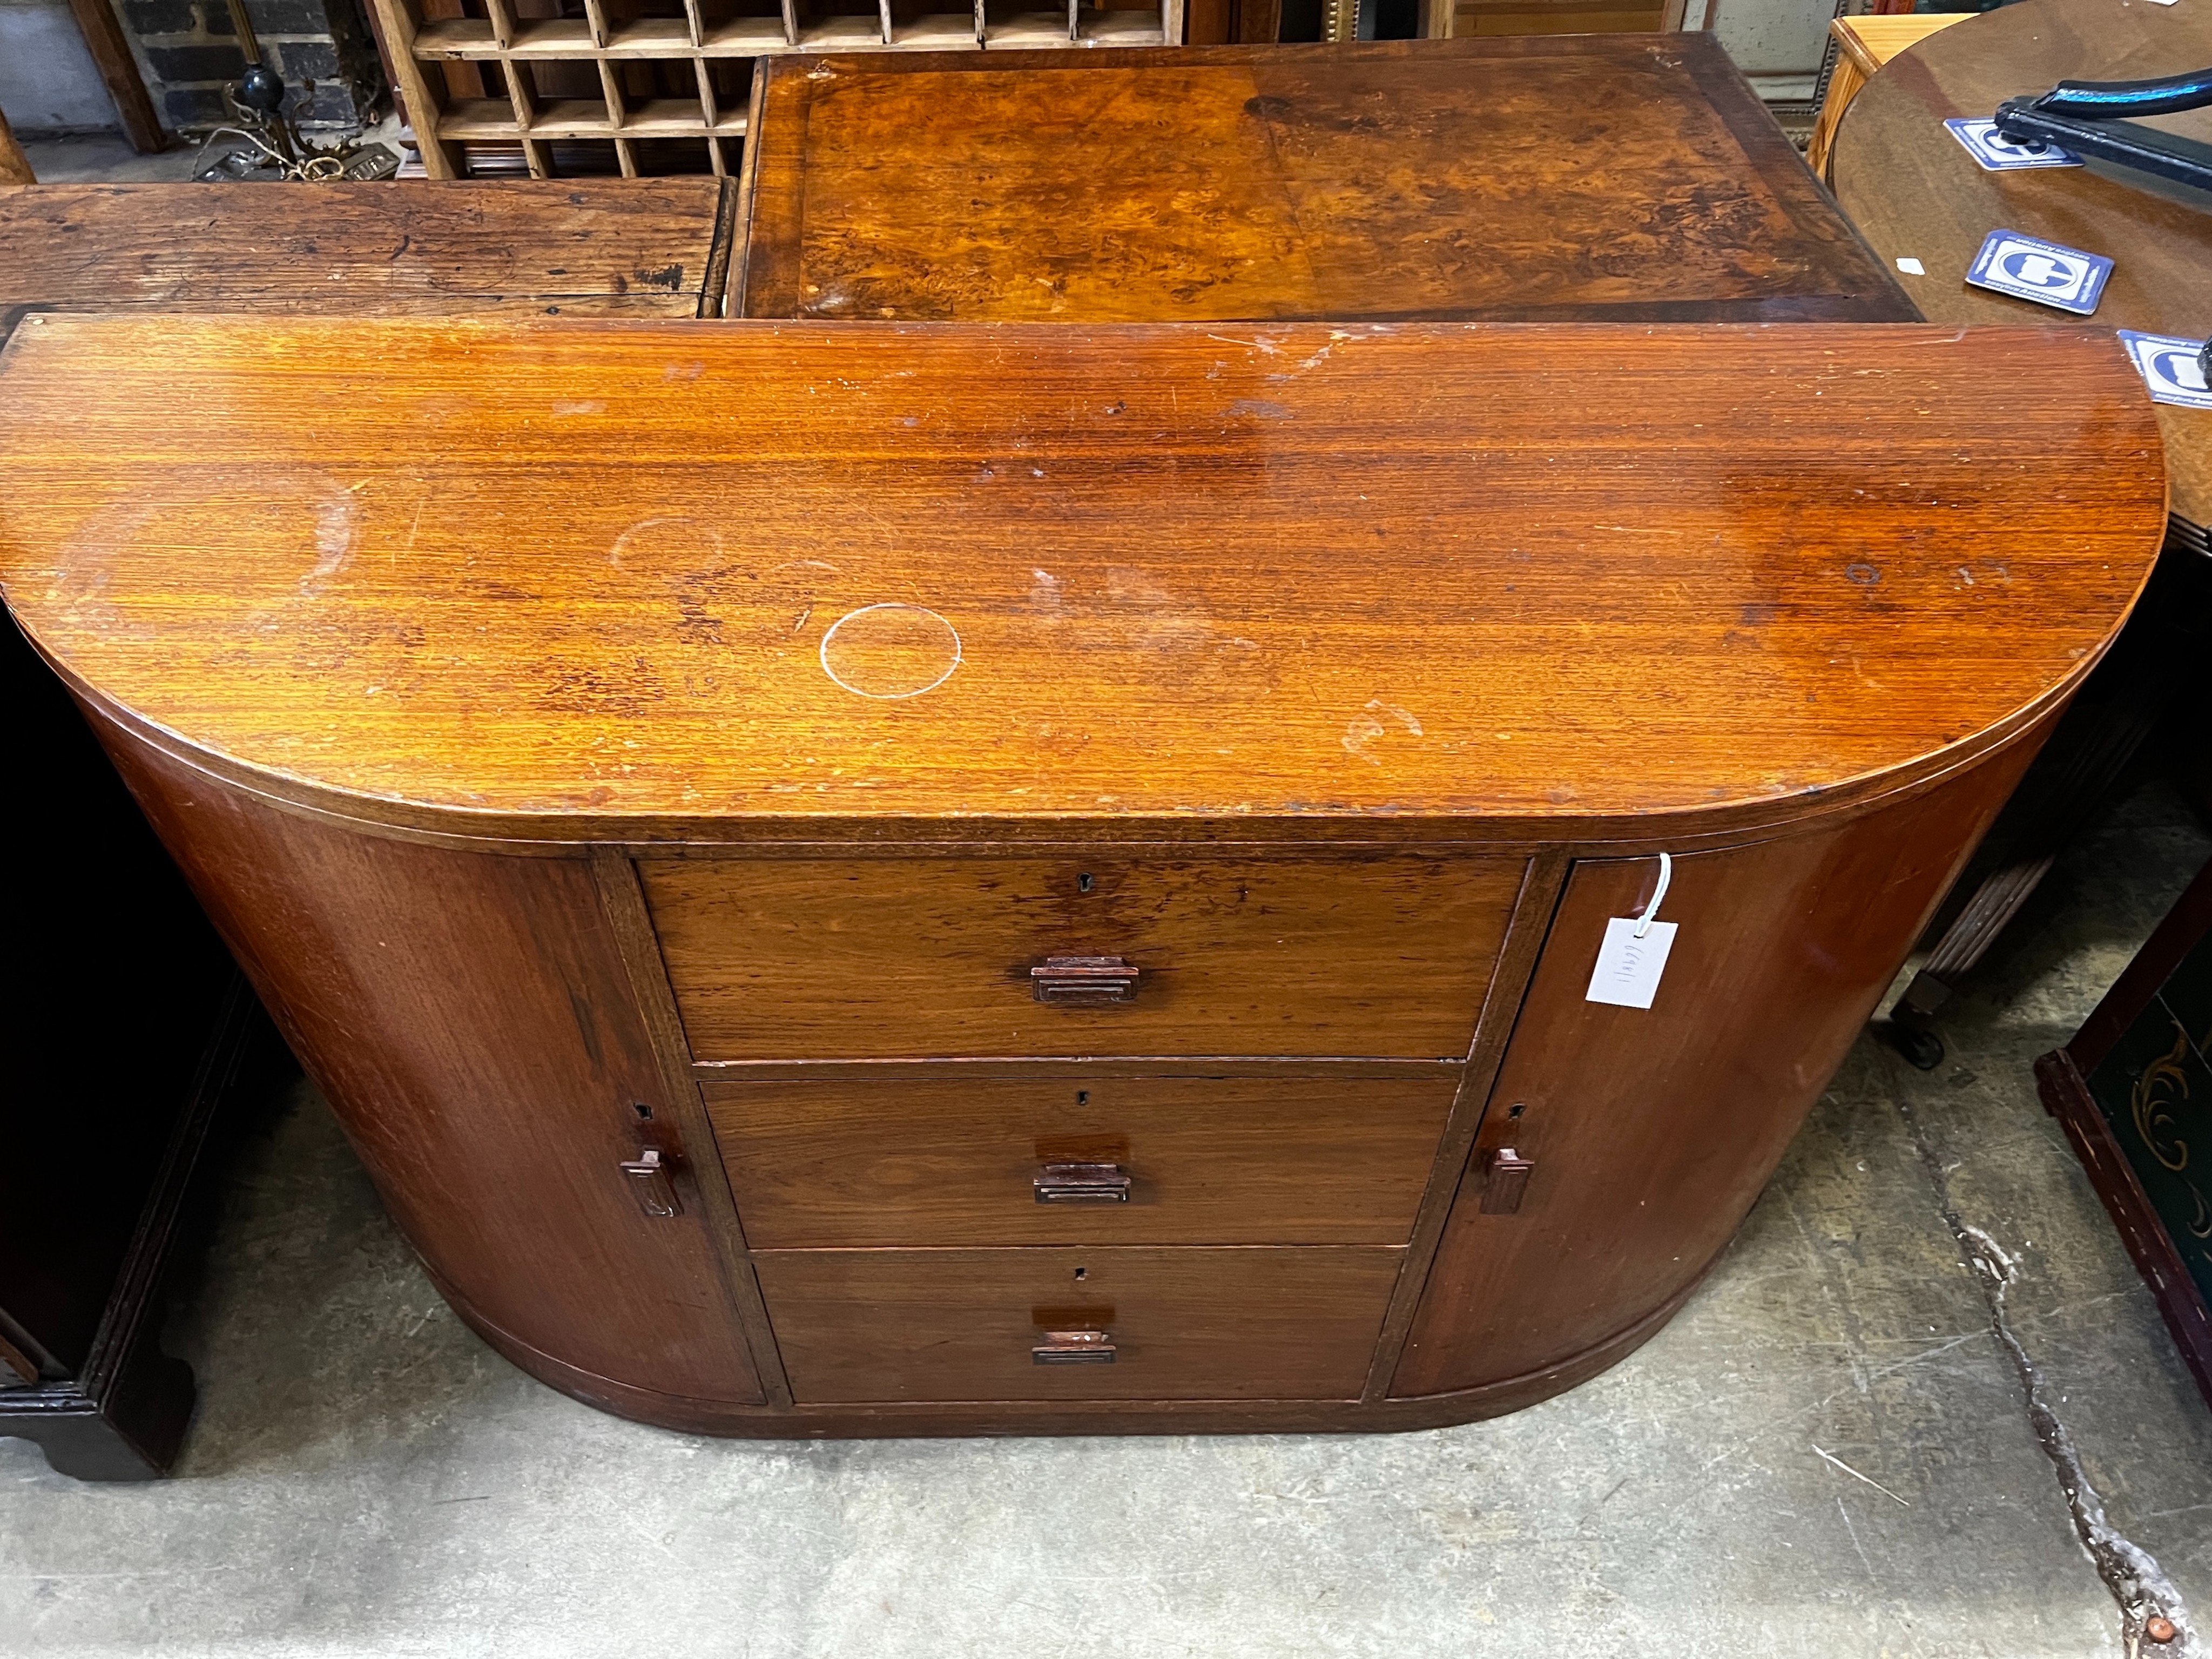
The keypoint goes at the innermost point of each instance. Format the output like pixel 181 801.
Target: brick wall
pixel 188 52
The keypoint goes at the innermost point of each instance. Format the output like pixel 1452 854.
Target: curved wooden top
pixel 1915 192
pixel 568 580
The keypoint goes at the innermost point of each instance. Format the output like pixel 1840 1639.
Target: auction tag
pixel 2029 268
pixel 1998 154
pixel 1628 968
pixel 2169 366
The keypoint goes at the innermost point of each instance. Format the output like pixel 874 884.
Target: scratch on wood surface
pixel 1855 1475
pixel 336 530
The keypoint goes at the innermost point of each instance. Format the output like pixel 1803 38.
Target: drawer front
pixel 775 959
pixel 1296 1322
pixel 1082 1158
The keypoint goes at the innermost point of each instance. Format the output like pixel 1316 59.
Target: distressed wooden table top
pixel 650 248
pixel 1606 178
pixel 659 578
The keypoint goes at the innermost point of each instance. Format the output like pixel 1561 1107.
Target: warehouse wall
pixel 186 52
pixel 189 51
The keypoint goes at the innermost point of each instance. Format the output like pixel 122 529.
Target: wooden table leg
pixel 15 166
pixel 1843 86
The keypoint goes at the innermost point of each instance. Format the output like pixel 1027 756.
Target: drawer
pixel 1294 1323
pixel 1040 1159
pixel 802 959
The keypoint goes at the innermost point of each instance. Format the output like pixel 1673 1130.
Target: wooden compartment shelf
pixel 488 86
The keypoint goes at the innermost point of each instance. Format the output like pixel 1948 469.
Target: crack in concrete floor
pixel 2139 1586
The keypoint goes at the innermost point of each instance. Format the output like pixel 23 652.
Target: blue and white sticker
pixel 1998 154
pixel 2170 367
pixel 2029 268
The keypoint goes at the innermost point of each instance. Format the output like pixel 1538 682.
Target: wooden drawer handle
pixel 649 1183
pixel 1507 1172
pixel 1084 981
pixel 1075 1348
pixel 1081 1184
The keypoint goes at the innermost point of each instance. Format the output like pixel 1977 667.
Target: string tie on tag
pixel 1651 910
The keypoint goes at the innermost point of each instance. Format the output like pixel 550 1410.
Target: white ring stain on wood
pixel 906 658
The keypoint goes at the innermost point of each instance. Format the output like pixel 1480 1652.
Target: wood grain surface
pixel 1599 178
pixel 468 1018
pixel 795 959
pixel 870 1164
pixel 650 248
pixel 1653 1130
pixel 1253 1323
pixel 1863 45
pixel 1918 194
pixel 567 579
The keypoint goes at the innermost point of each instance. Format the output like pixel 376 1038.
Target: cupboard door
pixel 1648 1133
pixel 469 1016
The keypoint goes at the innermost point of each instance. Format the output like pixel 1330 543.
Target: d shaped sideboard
pixel 869 879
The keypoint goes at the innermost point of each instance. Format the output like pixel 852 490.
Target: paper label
pixel 2029 268
pixel 1628 968
pixel 1998 154
pixel 2169 367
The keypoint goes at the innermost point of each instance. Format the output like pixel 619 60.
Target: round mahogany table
pixel 1915 192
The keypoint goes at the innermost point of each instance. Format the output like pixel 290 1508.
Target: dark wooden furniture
pixel 97 1162
pixel 1917 194
pixel 2134 1092
pixel 853 879
pixel 1599 178
pixel 653 247
pixel 98 1194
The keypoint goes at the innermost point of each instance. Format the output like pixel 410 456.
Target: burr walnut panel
pixel 1592 178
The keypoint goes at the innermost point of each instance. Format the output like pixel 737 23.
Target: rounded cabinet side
pixel 469 1016
pixel 1621 1147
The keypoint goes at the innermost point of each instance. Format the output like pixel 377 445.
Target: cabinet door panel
pixel 1652 1131
pixel 469 1017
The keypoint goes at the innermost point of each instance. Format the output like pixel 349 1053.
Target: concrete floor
pixel 366 1478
